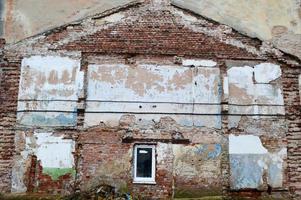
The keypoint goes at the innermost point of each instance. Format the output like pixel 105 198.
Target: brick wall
pixel 100 151
pixel 106 160
pixel 8 105
pixel 154 32
pixel 293 116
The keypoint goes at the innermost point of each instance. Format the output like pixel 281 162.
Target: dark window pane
pixel 144 162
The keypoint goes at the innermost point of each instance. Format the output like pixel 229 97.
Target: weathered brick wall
pixel 293 116
pixel 106 160
pixel 29 174
pixel 101 155
pixel 9 87
pixel 154 32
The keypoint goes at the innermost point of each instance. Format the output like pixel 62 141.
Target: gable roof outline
pixel 93 24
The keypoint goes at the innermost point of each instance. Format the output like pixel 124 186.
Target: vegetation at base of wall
pixel 183 193
pixel 102 192
pixel 29 197
pixel 259 198
pixel 86 196
pixel 202 198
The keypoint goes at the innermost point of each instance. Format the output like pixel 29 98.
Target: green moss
pixel 55 173
pixel 124 189
pixel 197 193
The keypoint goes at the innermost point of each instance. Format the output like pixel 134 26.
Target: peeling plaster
pixel 226 87
pixel 200 163
pixel 266 72
pixel 130 85
pixel 249 161
pixel 49 83
pixel 251 93
pixel 54 153
pixel 191 159
pixel 151 92
pixel 110 19
pixel 246 144
pixel 162 151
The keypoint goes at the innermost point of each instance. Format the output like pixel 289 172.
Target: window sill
pixel 145 182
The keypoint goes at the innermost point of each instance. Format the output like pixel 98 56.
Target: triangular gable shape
pixel 144 30
pixel 155 32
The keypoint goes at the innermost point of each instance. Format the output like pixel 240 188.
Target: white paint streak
pixel 80 82
pixel 199 63
pixel 246 144
pixel 226 86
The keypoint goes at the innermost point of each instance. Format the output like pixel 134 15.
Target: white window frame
pixel 152 179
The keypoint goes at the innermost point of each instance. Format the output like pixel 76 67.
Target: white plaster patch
pixel 248 97
pixel 226 86
pixel 114 17
pixel 199 63
pixel 42 74
pixel 279 156
pixel 49 83
pixel 47 61
pixel 249 159
pixel 246 144
pixel 19 167
pixel 241 75
pixel 52 151
pixel 151 92
pixel 276 175
pixel 162 150
pixel 80 82
pixel 266 72
pixel 268 94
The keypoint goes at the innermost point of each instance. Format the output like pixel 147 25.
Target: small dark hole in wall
pixel 140 106
pixel 154 106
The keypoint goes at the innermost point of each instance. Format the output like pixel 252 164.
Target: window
pixel 144 164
